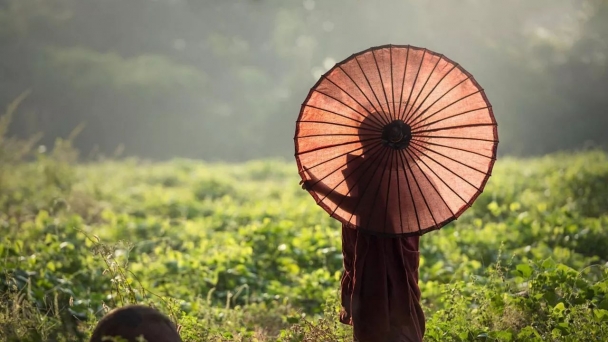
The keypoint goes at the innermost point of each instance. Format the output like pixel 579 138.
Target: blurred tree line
pixel 225 79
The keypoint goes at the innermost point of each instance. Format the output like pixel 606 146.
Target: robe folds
pixel 380 296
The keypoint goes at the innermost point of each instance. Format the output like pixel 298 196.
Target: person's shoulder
pixel 353 159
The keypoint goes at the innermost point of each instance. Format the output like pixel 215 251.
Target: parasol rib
pixel 363 93
pixel 413 119
pixel 448 117
pixel 414 122
pixel 413 112
pixel 419 189
pixel 459 138
pixel 372 89
pixel 390 51
pixel 453 127
pixel 338 135
pixel 407 55
pixel 409 189
pixel 377 129
pixel 422 89
pixel 375 157
pixel 380 124
pixel 452 159
pixel 390 114
pixel 441 179
pixel 399 198
pixel 339 101
pixel 454 148
pixel 388 192
pixel 336 124
pixel 366 187
pixel 433 185
pixel 371 211
pixel 341 155
pixel 402 115
pixel 338 169
pixel 452 172
pixel 334 145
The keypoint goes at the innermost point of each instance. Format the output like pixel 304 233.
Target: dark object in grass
pixel 133 322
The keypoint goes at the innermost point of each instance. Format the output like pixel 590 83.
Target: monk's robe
pixel 379 288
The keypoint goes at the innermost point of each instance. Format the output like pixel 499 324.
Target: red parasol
pixel 396 140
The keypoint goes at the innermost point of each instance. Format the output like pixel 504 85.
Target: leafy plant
pixel 257 260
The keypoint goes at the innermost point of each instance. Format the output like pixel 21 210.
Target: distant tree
pixel 225 79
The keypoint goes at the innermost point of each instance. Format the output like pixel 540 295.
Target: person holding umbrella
pixel 394 142
pixel 388 297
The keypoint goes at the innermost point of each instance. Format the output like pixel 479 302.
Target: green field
pixel 239 252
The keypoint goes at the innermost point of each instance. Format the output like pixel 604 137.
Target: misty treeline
pixel 225 79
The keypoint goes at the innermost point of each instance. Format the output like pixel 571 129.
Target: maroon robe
pixel 379 288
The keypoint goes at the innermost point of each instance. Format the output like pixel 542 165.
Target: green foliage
pixel 238 252
pixel 543 301
pixel 221 80
pixel 146 76
pixel 13 150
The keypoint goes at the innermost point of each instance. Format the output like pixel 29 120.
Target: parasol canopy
pixel 396 140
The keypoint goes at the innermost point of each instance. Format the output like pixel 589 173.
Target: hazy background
pixel 221 79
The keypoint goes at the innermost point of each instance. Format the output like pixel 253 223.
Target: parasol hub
pixel 396 135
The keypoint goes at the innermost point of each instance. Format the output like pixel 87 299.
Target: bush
pixel 257 260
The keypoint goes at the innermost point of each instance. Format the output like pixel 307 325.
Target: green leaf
pixel 525 270
pixel 50 266
pixel 502 335
pixel 18 246
pixel 556 333
pixel 559 308
pixel 548 263
pixel 527 333
pixel 601 315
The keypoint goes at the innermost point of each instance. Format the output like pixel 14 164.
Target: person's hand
pixel 305 184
